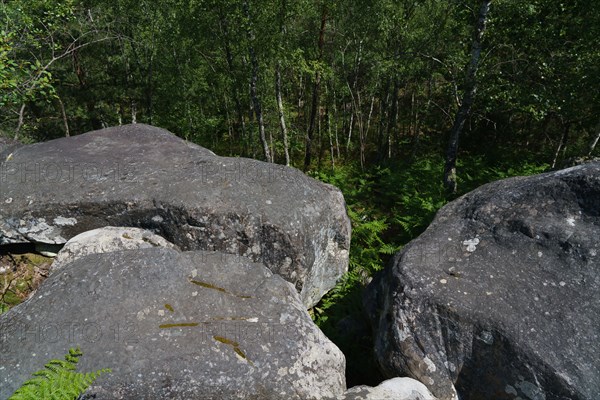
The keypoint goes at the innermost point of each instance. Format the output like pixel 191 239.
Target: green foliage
pixel 389 206
pixel 58 380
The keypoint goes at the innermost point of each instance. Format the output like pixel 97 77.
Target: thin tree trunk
pixel 335 122
pixel 363 140
pixel 149 84
pixel 351 124
pixel 393 118
pixel 254 85
pixel 120 114
pixel 271 145
pixel 234 87
pixel 467 100
pixel 320 140
pixel 383 111
pixel 284 132
pixel 356 110
pixel 331 149
pixel 300 101
pixel 315 97
pixel 230 128
pixel 562 144
pixel 282 123
pixel 21 121
pixel 595 140
pixel 133 112
pixel 64 116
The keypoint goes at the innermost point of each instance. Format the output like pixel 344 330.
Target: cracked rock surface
pixel 500 297
pixel 173 325
pixel 145 177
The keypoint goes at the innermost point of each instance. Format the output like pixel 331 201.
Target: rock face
pixel 141 176
pixel 173 325
pixel 500 297
pixel 107 240
pixel 392 389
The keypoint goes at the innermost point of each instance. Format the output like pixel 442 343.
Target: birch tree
pixel 467 99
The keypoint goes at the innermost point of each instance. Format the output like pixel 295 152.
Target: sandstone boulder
pixel 392 389
pixel 500 297
pixel 107 240
pixel 173 325
pixel 145 177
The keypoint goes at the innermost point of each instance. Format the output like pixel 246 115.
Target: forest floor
pixel 20 276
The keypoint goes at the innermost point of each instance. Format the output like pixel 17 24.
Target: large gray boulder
pixel 500 297
pixel 173 325
pixel 141 176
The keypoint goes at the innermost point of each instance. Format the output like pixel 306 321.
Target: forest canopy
pixel 311 83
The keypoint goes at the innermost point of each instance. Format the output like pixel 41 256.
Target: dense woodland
pixel 402 104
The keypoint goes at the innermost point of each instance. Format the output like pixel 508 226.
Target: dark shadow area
pixel 346 325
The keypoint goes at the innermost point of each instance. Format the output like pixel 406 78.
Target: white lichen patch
pixel 39 230
pixel 62 221
pixel 430 364
pixel 471 244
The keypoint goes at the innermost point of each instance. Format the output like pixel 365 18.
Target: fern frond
pixel 58 380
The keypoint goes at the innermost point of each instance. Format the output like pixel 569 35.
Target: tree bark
pixel 133 112
pixel 382 128
pixel 278 96
pixel 64 117
pixel 595 140
pixel 331 148
pixel 282 124
pixel 467 100
pixel 254 85
pixel 21 121
pixel 391 134
pixel 315 97
pixel 234 87
pixel 562 144
pixel 363 140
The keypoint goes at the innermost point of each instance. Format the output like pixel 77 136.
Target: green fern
pixel 58 380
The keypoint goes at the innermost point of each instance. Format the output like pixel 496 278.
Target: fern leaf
pixel 58 380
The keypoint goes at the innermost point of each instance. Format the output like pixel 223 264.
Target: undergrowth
pixel 389 206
